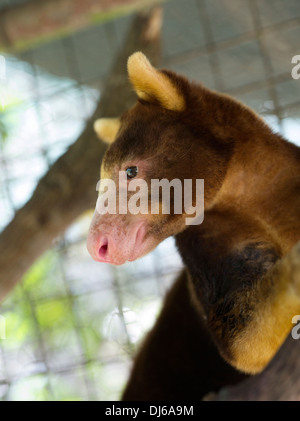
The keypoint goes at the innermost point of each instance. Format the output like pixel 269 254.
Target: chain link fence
pixel 70 329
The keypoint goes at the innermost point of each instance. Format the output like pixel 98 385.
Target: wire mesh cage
pixel 71 327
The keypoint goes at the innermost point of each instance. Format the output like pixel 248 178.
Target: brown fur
pixel 239 259
pixel 178 359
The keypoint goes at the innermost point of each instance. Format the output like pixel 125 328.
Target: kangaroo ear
pixel 107 129
pixel 149 83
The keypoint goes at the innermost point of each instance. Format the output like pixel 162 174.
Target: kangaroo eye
pixel 131 172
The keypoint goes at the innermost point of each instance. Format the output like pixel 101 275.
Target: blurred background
pixel 70 328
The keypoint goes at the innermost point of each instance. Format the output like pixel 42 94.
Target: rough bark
pixel 69 187
pixel 36 21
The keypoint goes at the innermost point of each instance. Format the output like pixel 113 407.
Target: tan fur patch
pixel 255 347
pixel 107 129
pixel 104 174
pixel 149 82
pixel 259 342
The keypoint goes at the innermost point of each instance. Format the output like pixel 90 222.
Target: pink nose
pixel 102 249
pixel 98 246
pixel 110 242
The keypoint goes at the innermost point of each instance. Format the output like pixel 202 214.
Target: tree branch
pixel 36 21
pixel 68 188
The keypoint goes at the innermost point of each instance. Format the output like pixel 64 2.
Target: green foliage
pixel 53 314
pixel 3 132
pixel 41 316
pixel 38 272
pixel 31 388
pixel 9 102
pixel 18 328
